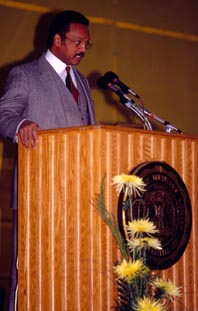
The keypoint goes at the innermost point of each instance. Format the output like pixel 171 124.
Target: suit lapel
pixel 84 87
pixel 59 98
pixel 64 107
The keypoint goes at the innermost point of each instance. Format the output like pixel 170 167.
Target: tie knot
pixel 68 69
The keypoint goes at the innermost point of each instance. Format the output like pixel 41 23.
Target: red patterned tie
pixel 70 85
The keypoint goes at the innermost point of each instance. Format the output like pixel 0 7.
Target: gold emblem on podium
pixel 166 202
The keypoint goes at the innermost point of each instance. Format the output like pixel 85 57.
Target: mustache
pixel 80 54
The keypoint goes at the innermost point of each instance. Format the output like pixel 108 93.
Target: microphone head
pixel 110 76
pixel 102 83
pixel 105 84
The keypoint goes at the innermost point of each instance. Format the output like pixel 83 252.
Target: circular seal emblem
pixel 167 205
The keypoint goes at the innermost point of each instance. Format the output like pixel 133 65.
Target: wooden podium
pixel 66 252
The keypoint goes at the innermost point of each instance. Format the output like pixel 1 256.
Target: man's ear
pixel 57 40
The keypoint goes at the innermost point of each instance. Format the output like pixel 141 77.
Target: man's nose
pixel 83 47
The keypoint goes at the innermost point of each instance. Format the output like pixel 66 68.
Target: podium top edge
pixel 111 128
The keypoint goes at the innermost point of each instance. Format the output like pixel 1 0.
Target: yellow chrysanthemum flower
pixel 138 226
pixel 146 304
pixel 145 242
pixel 128 271
pixel 168 288
pixel 131 184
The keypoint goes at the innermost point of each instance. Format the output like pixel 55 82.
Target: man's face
pixel 73 48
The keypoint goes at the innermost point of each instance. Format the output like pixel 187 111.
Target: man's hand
pixel 28 133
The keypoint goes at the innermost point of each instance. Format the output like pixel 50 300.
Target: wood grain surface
pixel 66 252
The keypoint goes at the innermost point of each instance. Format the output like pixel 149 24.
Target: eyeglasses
pixel 78 43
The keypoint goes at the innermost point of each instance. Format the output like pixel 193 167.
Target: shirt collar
pixel 55 62
pixel 59 66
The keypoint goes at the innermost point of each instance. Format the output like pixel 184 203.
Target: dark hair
pixel 61 22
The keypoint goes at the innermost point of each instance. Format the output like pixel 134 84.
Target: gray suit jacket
pixel 34 91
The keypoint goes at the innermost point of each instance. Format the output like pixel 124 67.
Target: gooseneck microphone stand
pixel 142 114
pixel 138 110
pixel 110 81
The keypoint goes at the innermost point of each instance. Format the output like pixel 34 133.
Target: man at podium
pixel 47 93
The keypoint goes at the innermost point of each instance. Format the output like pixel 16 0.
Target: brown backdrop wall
pixel 151 45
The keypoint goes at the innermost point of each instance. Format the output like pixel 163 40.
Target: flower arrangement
pixel 138 288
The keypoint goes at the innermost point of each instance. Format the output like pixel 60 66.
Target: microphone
pixel 110 80
pixel 104 84
pixel 113 78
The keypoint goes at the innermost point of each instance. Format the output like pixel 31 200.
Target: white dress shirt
pixel 59 66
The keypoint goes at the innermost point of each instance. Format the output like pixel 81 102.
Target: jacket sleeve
pixel 13 102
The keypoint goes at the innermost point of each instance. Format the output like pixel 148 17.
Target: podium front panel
pixel 66 253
